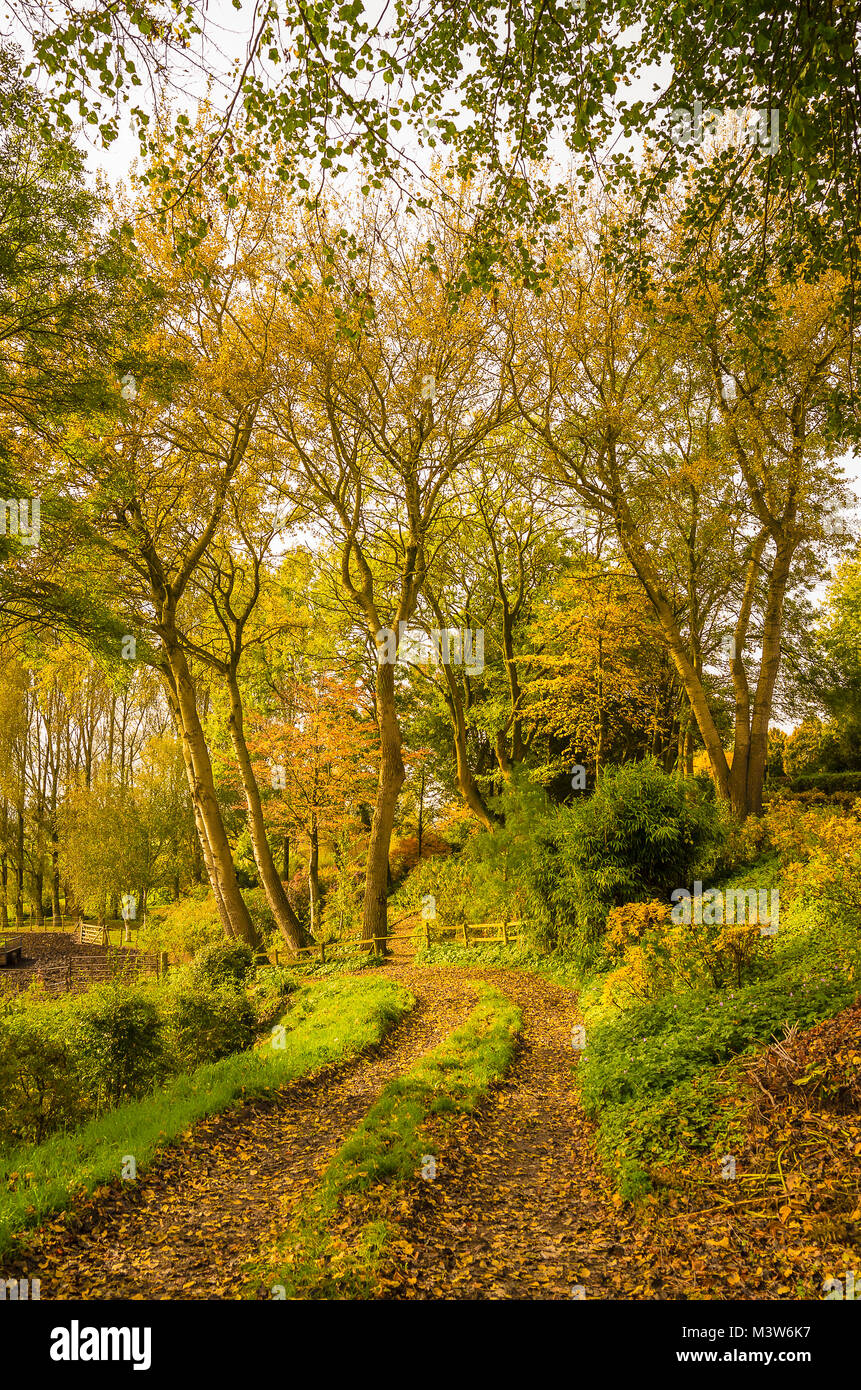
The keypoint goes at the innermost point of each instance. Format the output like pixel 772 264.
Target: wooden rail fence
pixel 469 934
pixel 71 974
pixel 75 973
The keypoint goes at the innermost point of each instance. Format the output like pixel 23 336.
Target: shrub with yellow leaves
pixel 655 954
pixel 737 948
pixel 629 923
pixel 825 879
pixel 799 831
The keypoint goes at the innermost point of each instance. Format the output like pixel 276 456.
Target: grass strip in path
pixel 335 1020
pixel 314 1258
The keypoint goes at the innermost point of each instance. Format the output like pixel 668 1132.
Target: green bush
pixel 223 965
pixel 696 1115
pixel 183 928
pixel 204 1025
pixel 272 985
pixel 640 835
pixel 40 1088
pixel 654 1076
pixel 65 1062
pixel 652 1047
pixel 117 1044
pixel 452 885
pixel 561 869
pixel 490 878
pixel 827 782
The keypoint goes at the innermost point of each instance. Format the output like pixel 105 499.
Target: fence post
pixel 162 964
pixel 427 935
pixel 505 933
pixel 465 940
pixel 322 953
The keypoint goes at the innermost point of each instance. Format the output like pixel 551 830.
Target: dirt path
pixel 196 1215
pixel 520 1207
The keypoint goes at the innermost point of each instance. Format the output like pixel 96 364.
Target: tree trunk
pixel 391 779
pixel 201 838
pixel 209 863
pixel 772 628
pixel 19 873
pixel 197 864
pixel 637 554
pixel 285 918
pixel 202 783
pixel 654 747
pixel 314 874
pixel 600 738
pixel 69 904
pixel 509 616
pixel 466 783
pixel 38 890
pixel 4 901
pixel 741 738
pixel 55 879
pixel 421 815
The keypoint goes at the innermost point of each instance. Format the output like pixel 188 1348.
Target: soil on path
pixel 519 1207
pixel 189 1223
pixel 522 1208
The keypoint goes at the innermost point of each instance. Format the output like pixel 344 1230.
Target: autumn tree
pixel 160 481
pixel 636 400
pixel 382 401
pixel 315 747
pixel 492 557
pixel 599 677
pixel 230 578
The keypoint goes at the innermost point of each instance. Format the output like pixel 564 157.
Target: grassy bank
pixel 664 1078
pixel 313 1260
pixel 326 1023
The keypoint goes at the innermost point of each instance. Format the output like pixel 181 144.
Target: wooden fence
pixel 92 934
pixel 70 922
pixel 467 934
pixel 71 974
